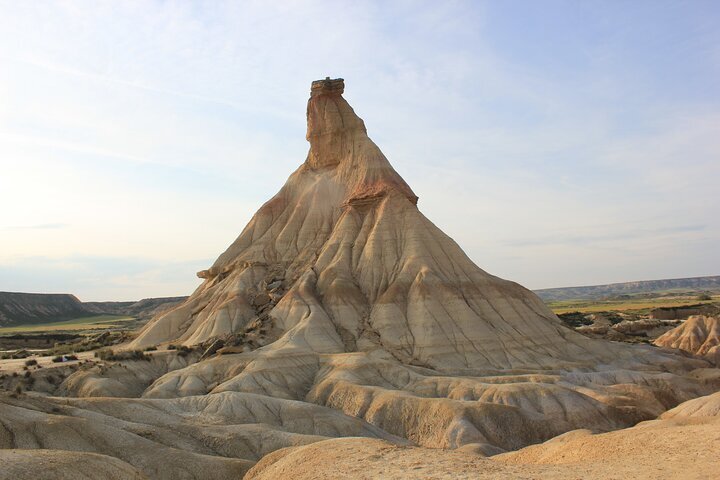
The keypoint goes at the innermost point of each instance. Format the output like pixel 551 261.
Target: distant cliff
pixel 594 292
pixel 33 308
pixel 144 308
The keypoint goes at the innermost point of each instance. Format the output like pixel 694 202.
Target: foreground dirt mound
pixel 63 465
pixel 662 449
pixel 699 335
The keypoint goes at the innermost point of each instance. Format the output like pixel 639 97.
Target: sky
pixel 559 143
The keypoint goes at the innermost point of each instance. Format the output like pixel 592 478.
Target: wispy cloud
pixel 42 226
pixel 614 236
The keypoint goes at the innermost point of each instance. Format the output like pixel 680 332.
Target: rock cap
pixel 335 86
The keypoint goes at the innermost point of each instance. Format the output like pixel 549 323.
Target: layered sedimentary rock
pixel 678 447
pixel 341 310
pixel 342 260
pixel 342 293
pixel 29 308
pixel 699 335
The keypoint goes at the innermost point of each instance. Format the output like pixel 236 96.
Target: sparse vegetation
pixel 631 303
pixel 111 356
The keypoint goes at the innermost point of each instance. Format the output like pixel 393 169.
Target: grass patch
pixel 638 305
pixel 83 323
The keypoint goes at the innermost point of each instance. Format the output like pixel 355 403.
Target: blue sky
pixel 559 143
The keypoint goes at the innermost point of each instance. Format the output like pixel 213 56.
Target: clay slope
pixel 699 335
pixel 342 260
pixel 205 437
pixel 63 465
pixel 341 311
pixel 341 293
pixel 662 449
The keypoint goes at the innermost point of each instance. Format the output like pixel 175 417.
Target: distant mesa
pixel 17 308
pixel 595 292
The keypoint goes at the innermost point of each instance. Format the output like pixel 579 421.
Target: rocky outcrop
pixel 685 311
pixel 362 269
pixel 341 310
pixel 699 335
pixel 663 449
pixel 145 308
pixel 63 465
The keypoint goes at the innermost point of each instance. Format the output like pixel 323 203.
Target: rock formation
pixel 339 311
pixel 699 335
pixel 341 260
pixel 679 447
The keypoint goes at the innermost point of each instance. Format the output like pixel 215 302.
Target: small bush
pixel 172 347
pixel 111 356
pixel 151 349
pixel 31 362
pixel 27 374
pixel 58 359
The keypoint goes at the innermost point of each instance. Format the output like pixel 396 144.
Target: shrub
pixel 31 362
pixel 151 349
pixel 58 359
pixel 172 347
pixel 111 356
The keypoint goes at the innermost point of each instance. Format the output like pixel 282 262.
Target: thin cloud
pixel 610 236
pixel 42 226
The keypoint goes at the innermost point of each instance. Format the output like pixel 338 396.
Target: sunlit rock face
pixel 349 264
pixel 339 311
pixel 699 335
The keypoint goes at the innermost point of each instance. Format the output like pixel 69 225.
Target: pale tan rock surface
pixel 660 449
pixel 699 335
pixel 210 436
pixel 344 312
pixel 63 465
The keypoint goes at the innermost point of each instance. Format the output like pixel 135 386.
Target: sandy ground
pixel 16 365
pixel 662 449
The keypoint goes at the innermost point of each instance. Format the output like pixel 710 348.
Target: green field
pixel 638 305
pixel 83 323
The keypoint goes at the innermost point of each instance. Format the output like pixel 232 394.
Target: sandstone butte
pixel 341 311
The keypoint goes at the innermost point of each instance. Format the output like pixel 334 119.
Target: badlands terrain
pixel 343 335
